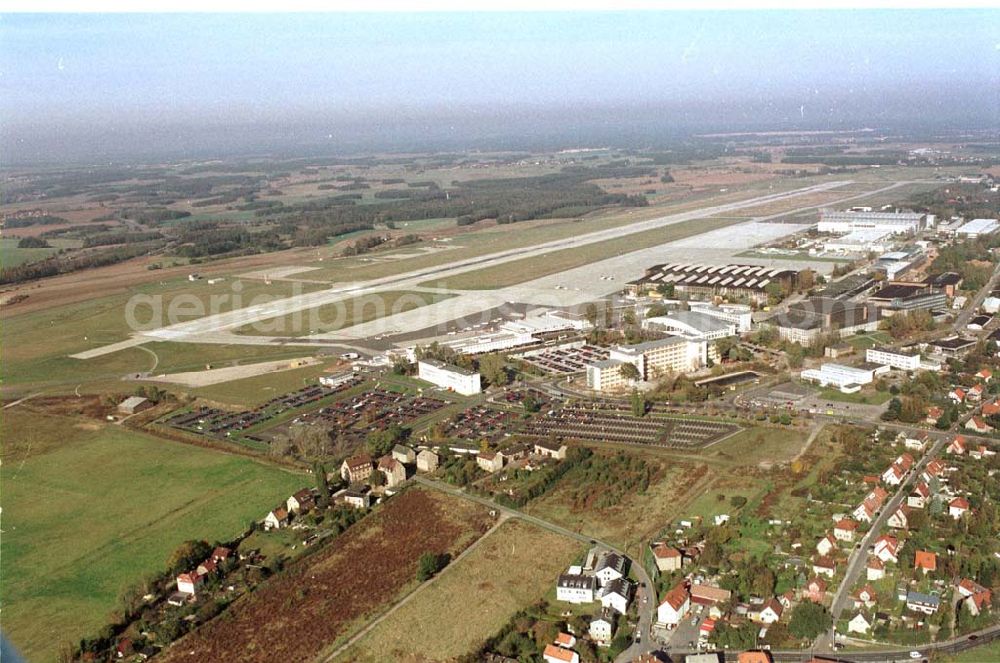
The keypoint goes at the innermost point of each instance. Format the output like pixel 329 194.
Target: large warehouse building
pixel 848 221
pixel 748 282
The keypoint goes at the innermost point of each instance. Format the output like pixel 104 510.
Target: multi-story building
pixel 806 320
pixel 576 588
pixel 894 358
pixel 651 359
pixel 451 377
pixel 740 315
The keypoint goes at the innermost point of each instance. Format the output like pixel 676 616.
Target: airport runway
pixel 218 328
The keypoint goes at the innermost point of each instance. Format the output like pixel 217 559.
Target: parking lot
pixel 562 361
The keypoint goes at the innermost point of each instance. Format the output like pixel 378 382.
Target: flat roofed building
pixel 896 222
pixel 740 315
pixel 846 378
pixel 805 320
pixel 652 359
pixel 894 358
pixel 448 376
pixel 978 227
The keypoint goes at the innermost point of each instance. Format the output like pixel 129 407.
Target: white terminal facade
pixel 652 359
pixel 847 379
pixel 446 376
pixel 894 358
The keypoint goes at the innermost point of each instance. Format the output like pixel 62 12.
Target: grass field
pixel 985 654
pixel 343 314
pixel 36 344
pixel 91 508
pixel 861 342
pixel 506 572
pixel 12 256
pixel 865 396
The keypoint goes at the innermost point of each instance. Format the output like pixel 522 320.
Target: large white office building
pixel 894 358
pixel 446 376
pixel 740 315
pixel 652 359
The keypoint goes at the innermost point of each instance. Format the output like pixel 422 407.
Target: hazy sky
pixel 95 70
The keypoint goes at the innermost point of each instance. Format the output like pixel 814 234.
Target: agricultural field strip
pixel 237 318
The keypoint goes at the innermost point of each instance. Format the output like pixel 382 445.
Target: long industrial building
pixel 847 221
pixel 698 280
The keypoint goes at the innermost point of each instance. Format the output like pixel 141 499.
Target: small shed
pixel 134 404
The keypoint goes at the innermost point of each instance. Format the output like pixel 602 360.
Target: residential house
pixel 985 374
pixel 824 566
pixel 898 519
pixel 576 588
pixel 556 654
pixel 815 590
pixel 981 452
pixel 917 499
pixel 826 545
pixel 875 570
pixel 860 623
pixel 887 548
pixel 871 504
pixel 221 554
pixel 918 441
pixel 957 395
pixel 709 595
pixel 555 450
pixel 925 561
pixel 602 628
pixel 991 409
pixel 359 499
pixel 189 583
pixel 771 612
pixel 611 566
pixel 394 471
pixel 617 594
pixel 975 597
pixel 958 507
pixel 844 529
pixel 565 640
pixel 276 519
pixel 427 461
pixel 674 607
pixel 933 414
pixel 978 425
pixel 490 461
pixel 207 567
pixel 957 446
pixel 706 629
pixel 920 602
pixel 404 454
pixel 934 469
pixel 866 596
pixel 975 393
pixel 300 501
pixel 356 469
pixel 754 656
pixel 667 558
